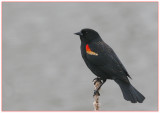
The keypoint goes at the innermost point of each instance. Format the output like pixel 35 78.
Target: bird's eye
pixel 84 32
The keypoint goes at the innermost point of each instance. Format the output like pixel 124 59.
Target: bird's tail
pixel 129 92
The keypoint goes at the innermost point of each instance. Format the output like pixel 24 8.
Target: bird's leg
pixel 101 83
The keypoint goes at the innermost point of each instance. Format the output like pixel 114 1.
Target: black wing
pixel 107 60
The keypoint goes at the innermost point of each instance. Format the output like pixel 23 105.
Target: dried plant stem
pixel 96 104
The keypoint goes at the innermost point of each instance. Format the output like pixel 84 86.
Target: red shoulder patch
pixel 87 48
pixel 88 51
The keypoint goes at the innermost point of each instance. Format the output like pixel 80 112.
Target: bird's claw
pixel 96 93
pixel 96 79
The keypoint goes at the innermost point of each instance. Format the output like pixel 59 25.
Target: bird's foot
pixel 96 80
pixel 96 93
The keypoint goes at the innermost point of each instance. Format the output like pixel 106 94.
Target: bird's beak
pixel 78 33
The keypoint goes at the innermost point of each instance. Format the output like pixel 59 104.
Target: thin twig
pixel 96 103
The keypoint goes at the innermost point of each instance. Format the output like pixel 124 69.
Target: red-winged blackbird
pixel 104 63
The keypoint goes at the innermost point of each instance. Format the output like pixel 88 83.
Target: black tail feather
pixel 129 92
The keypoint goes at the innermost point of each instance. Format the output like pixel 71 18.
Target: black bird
pixel 104 63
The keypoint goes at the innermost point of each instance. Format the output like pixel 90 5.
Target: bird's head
pixel 88 35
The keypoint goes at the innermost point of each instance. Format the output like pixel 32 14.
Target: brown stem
pixel 96 104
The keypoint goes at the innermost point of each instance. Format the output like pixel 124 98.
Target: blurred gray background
pixel 42 64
